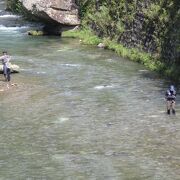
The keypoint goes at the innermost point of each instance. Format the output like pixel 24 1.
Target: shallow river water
pixel 81 113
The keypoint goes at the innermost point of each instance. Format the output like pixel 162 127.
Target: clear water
pixel 81 113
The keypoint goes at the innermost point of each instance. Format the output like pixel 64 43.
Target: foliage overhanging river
pixel 82 113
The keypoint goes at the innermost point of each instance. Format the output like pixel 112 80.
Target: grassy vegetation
pixel 88 37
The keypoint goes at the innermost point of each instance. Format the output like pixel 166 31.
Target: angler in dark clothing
pixel 171 99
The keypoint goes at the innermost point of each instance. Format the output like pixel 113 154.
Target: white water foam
pixel 110 60
pixel 103 87
pixel 61 120
pixel 153 116
pixel 143 70
pixel 41 72
pixel 62 50
pixel 9 16
pixel 5 28
pixel 71 65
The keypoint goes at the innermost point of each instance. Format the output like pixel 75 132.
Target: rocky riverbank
pixel 56 15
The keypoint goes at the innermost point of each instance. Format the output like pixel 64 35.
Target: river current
pixel 81 113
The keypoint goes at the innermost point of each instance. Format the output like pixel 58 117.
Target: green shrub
pixel 17 7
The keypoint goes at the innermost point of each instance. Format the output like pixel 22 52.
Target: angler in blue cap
pixel 171 99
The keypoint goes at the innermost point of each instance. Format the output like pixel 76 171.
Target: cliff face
pixel 56 14
pixel 155 29
pixel 148 25
pixel 63 12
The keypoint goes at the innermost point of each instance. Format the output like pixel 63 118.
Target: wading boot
pixel 168 111
pixel 173 111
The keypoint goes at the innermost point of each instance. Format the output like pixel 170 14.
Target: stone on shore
pixel 101 45
pixel 14 68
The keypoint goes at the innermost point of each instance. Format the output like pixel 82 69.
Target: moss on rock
pixel 36 33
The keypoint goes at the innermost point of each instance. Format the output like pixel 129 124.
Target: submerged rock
pixel 14 68
pixel 36 33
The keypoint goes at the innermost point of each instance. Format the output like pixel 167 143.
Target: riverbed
pixel 78 112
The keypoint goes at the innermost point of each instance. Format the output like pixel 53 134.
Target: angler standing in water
pixel 5 58
pixel 170 98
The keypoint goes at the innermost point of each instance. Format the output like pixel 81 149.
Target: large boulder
pixel 55 13
pixel 14 68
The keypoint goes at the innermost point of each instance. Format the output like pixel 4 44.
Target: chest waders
pixel 171 97
pixel 7 72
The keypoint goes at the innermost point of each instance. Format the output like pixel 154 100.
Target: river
pixel 81 113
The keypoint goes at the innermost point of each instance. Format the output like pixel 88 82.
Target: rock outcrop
pixel 54 13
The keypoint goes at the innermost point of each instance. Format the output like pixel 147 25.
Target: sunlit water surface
pixel 79 112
